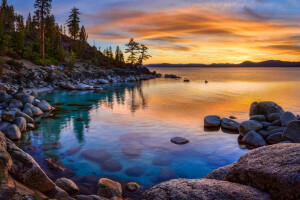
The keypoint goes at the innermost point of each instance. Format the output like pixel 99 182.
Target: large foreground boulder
pixel 292 132
pixel 275 169
pixel 265 108
pixel 26 170
pixel 203 189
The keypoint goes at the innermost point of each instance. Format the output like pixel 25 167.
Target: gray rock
pixel 266 124
pixel 15 104
pixel 36 111
pixel 273 168
pixel 28 112
pixel 4 97
pixel 26 170
pixel 203 189
pixel 274 116
pixel 8 117
pixel 265 108
pixel 58 194
pixel 25 98
pixel 28 105
pixel 67 185
pixel 179 140
pixel 270 128
pixel 13 132
pixel 275 138
pixel 259 118
pixel 220 173
pixel 292 132
pixel 27 118
pixel 287 117
pixel 249 125
pixel 91 197
pixel 21 123
pixel 44 106
pixel 212 121
pixel 276 123
pixel 4 126
pixel 230 124
pixel 109 189
pixel 254 139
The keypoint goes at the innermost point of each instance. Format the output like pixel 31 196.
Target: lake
pixel 124 131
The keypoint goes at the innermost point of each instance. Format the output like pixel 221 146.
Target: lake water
pixel 126 129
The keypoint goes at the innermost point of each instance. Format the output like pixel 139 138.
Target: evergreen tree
pixel 133 50
pixel 83 36
pixel 73 23
pixel 144 54
pixel 119 57
pixel 43 8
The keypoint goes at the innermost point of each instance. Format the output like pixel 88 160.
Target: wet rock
pixel 270 128
pixel 28 105
pixel 44 106
pixel 25 98
pixel 274 138
pixel 166 174
pixel 58 194
pixel 276 123
pixel 30 126
pixel 103 81
pixel 4 126
pixel 135 171
pixel 273 168
pixel 196 189
pixel 287 117
pixel 265 108
pixel 292 132
pixel 55 164
pixel 98 156
pixel 248 126
pixel 230 124
pixel 21 123
pixel 254 139
pixel 8 117
pixel 220 173
pixel 67 185
pixel 162 161
pixel 26 170
pixel 232 117
pixel 73 150
pixel 26 117
pixel 109 189
pixel 266 124
pixel 132 187
pixel 259 118
pixel 274 116
pixel 4 97
pixel 36 111
pixel 212 121
pixel 28 112
pixel 13 132
pixel 179 140
pixel 111 166
pixel 15 104
pixel 90 197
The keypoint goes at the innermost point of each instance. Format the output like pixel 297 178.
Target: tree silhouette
pixel 144 54
pixel 73 23
pixel 133 49
pixel 43 8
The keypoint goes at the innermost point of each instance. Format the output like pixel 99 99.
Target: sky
pixel 190 31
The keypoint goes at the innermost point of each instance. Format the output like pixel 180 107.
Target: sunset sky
pixel 190 31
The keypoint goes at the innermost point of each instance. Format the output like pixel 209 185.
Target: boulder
pixel 44 106
pixel 212 121
pixel 28 112
pixel 26 117
pixel 179 140
pixel 266 124
pixel 276 123
pixel 25 98
pixel 254 139
pixel 26 170
pixel 286 118
pixel 67 185
pixel 274 169
pixel 203 189
pixel 274 116
pixel 36 111
pixel 274 138
pixel 13 132
pixel 21 123
pixel 270 128
pixel 292 132
pixel 103 81
pixel 249 125
pixel 220 173
pixel 265 108
pixel 58 194
pixel 4 126
pixel 132 187
pixel 91 197
pixel 230 124
pixel 4 97
pixel 8 117
pixel 109 189
pixel 15 104
pixel 28 105
pixel 259 118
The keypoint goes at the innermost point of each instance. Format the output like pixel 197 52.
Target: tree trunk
pixel 43 42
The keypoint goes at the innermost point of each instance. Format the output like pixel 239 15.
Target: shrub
pixel 14 64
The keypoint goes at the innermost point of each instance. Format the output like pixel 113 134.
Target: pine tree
pixel 144 54
pixel 133 50
pixel 73 23
pixel 83 36
pixel 43 8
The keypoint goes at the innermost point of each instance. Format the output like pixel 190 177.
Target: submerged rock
pixel 111 166
pixel 98 156
pixel 162 161
pixel 135 171
pixel 212 121
pixel 109 189
pixel 273 168
pixel 196 189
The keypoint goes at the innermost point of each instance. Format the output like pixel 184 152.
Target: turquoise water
pixel 126 129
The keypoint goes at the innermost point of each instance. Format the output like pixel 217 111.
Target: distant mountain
pixel 268 63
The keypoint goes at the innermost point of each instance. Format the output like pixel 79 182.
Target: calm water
pixel 126 129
